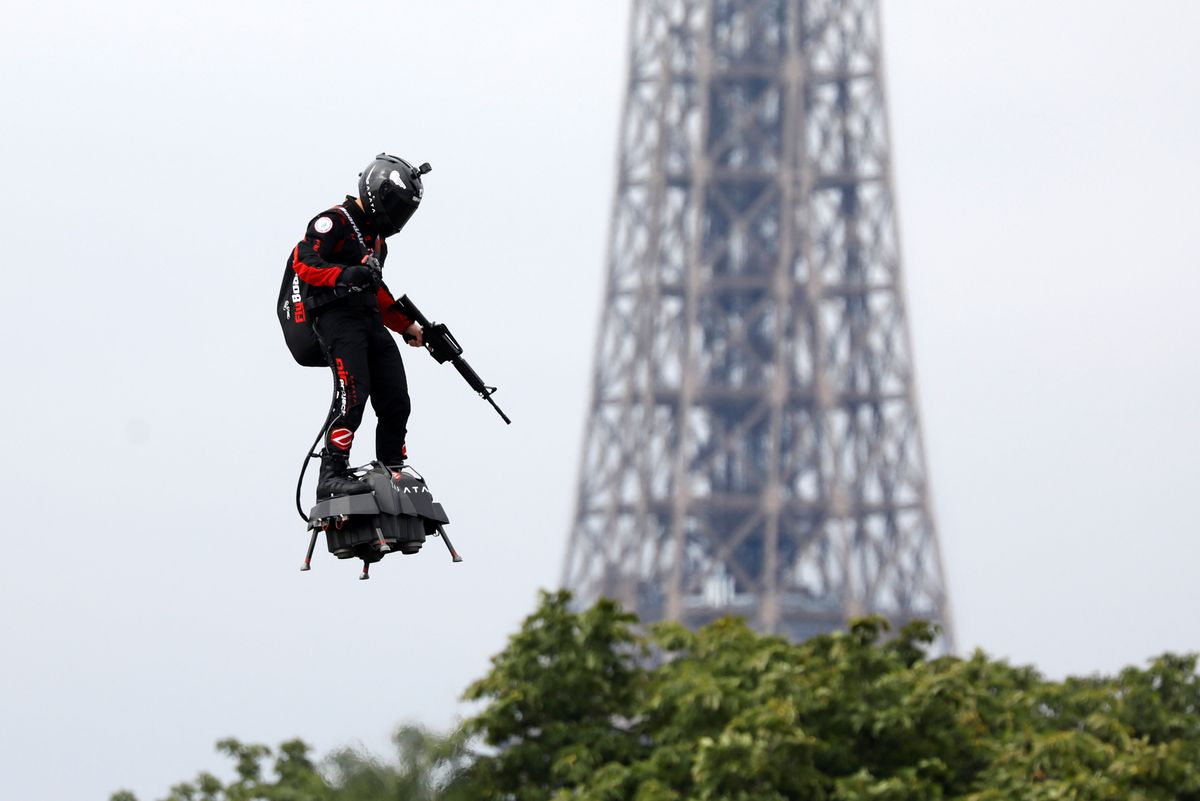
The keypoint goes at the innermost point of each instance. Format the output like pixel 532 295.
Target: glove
pixel 371 263
pixel 358 277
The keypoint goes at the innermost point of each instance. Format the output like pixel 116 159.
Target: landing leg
pixel 383 546
pixel 453 553
pixel 312 543
pixel 366 574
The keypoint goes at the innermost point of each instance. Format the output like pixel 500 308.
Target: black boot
pixel 396 466
pixel 335 478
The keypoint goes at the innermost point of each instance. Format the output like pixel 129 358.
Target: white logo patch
pixel 323 225
pixel 395 178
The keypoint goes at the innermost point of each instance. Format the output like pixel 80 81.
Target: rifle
pixel 442 345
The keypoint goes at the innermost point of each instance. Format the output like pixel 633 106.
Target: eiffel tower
pixel 753 445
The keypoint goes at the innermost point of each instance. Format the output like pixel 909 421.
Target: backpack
pixel 293 313
pixel 297 325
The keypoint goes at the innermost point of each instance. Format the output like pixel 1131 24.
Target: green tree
pixel 581 705
pixel 588 706
pixel 558 701
pixel 296 777
pixel 425 764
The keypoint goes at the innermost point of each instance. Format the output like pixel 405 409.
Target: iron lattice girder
pixel 753 444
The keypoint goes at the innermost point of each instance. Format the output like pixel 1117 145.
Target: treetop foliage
pixel 589 706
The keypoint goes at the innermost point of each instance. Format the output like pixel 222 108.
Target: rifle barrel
pixel 499 411
pixel 472 378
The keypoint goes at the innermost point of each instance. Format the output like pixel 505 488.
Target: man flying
pixel 339 263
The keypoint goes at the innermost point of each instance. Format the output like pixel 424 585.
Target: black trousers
pixel 366 364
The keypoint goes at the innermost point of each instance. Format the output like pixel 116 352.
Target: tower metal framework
pixel 753 444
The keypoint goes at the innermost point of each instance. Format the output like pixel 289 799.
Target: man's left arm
pixel 396 320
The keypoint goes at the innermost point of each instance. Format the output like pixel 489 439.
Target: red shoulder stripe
pixel 317 276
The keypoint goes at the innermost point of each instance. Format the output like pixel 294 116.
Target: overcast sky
pixel 157 170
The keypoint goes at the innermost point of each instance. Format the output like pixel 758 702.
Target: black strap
pixel 357 233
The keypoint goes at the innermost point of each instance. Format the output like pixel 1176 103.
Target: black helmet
pixel 390 190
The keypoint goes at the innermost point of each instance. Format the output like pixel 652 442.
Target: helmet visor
pixel 397 210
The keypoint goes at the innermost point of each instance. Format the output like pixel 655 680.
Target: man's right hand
pixel 357 276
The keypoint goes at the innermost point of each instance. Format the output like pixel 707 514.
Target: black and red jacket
pixel 331 244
